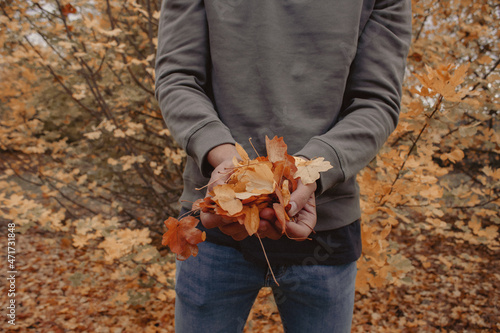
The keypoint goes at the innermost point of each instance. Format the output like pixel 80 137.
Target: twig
pixel 436 108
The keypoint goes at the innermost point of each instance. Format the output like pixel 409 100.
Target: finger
pixel 235 230
pixel 301 228
pixel 304 222
pixel 298 231
pixel 310 206
pixel 267 230
pixel 240 236
pixel 267 214
pixel 232 228
pixel 210 221
pixel 220 174
pixel 300 196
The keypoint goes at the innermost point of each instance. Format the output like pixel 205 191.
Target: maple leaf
pixel 182 236
pixel 283 193
pixel 441 81
pixel 308 170
pixel 266 181
pixel 204 204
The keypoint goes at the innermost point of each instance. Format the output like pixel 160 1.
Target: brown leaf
pixel 276 149
pixel 182 236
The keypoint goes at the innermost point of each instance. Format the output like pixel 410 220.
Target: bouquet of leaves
pixel 266 181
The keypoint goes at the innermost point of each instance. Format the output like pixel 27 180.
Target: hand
pixel 303 211
pixel 232 227
pixel 268 227
pixel 221 158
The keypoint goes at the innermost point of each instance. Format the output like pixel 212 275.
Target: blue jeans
pixel 216 291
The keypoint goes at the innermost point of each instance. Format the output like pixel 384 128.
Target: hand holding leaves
pixel 271 195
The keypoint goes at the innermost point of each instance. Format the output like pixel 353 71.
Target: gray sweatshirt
pixel 324 74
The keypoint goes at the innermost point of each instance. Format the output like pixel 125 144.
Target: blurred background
pixel 89 172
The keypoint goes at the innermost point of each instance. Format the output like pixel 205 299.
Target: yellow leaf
pixel 252 219
pixel 243 154
pixel 276 149
pixel 454 156
pixel 225 196
pixel 259 179
pixel 475 225
pixel 110 33
pixel 484 60
pixel 118 133
pixel 308 171
pixel 93 135
pixel 440 81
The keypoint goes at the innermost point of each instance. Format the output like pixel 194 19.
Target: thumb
pixel 300 196
pixel 293 209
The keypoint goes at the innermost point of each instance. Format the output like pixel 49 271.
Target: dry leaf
pixel 225 197
pixel 276 149
pixel 308 171
pixel 266 181
pixel 182 236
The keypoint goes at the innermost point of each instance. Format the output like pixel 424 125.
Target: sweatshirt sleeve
pixel 183 80
pixel 371 101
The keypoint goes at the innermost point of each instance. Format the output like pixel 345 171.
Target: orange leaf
pixel 455 156
pixel 276 149
pixel 264 182
pixel 283 194
pixel 68 9
pixel 281 215
pixel 259 179
pixel 182 236
pixel 225 197
pixel 251 219
pixel 243 154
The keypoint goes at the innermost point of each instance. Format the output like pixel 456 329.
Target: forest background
pixel 88 173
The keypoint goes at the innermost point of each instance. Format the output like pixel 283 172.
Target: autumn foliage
pixel 88 166
pixel 182 236
pixel 250 187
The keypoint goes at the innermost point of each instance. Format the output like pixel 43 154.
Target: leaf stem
pixel 268 264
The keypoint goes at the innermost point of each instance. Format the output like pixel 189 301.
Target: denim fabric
pixel 216 291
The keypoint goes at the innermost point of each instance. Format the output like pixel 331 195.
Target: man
pixel 324 75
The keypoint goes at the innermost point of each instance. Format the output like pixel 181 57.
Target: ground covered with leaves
pixel 453 288
pixel 88 171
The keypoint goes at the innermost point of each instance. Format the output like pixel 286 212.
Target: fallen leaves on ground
pixel 63 289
